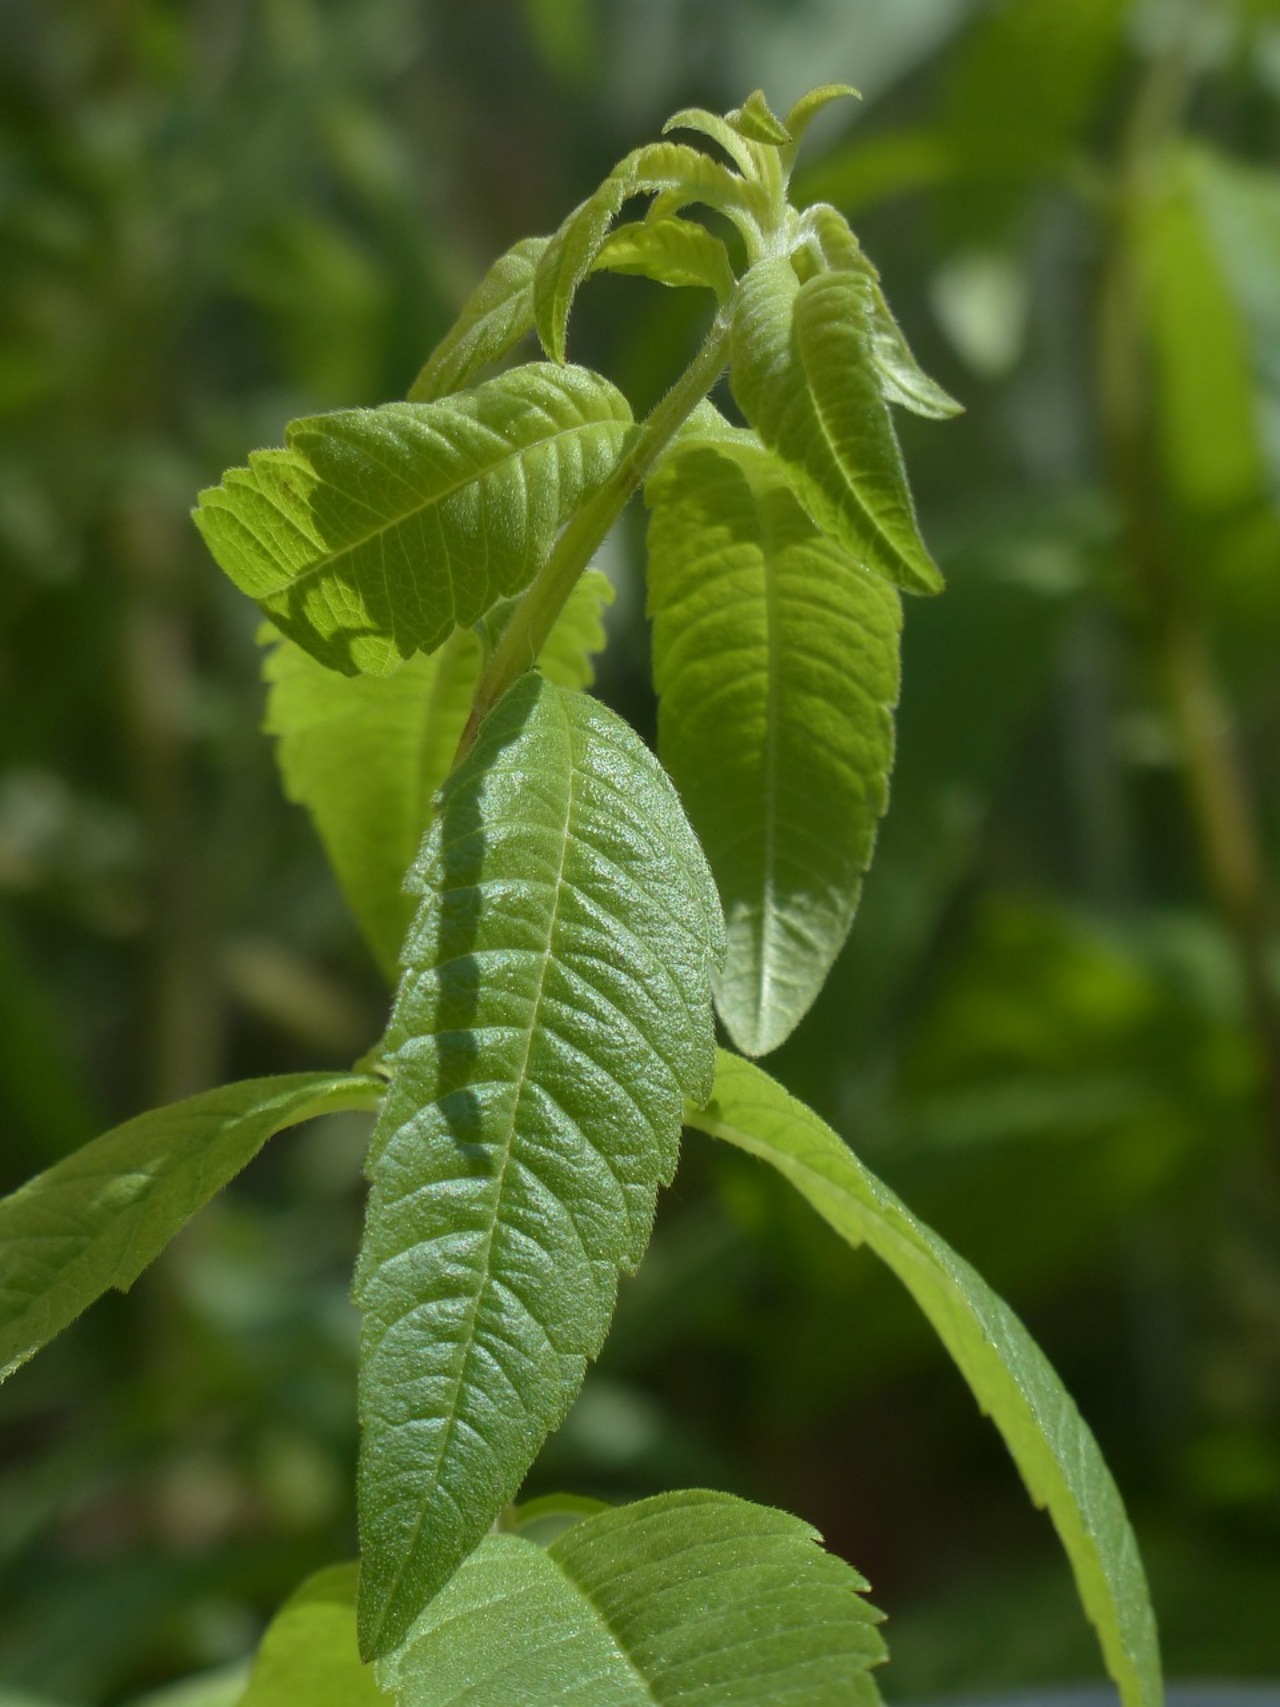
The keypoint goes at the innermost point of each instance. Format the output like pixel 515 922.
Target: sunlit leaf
pixel 98 1217
pixel 802 373
pixel 1010 1377
pixel 494 318
pixel 670 251
pixel 776 664
pixel 757 121
pixel 554 1008
pixel 687 1596
pixel 309 1654
pixel 377 531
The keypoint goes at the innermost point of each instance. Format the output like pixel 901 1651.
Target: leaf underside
pixel 554 1009
pixel 376 531
pixel 776 666
pixel 803 372
pixel 366 754
pixel 689 1596
pixel 98 1217
pixel 1010 1377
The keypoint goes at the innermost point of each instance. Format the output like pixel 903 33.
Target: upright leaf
pixel 802 373
pixel 377 531
pixel 494 318
pixel 555 1007
pixel 1010 1376
pixel 99 1216
pixel 308 1656
pixel 776 665
pixel 366 754
pixel 686 1597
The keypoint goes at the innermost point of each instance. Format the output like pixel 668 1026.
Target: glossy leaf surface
pixel 1010 1376
pixel 377 531
pixel 554 1009
pixel 100 1216
pixel 689 1596
pixel 776 663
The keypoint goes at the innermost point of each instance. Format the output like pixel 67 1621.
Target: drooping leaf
pixel 776 665
pixel 687 1596
pixel 366 754
pixel 670 251
pixel 1010 1377
pixel 554 1007
pixel 718 129
pixel 802 373
pixel 309 1653
pixel 97 1218
pixel 494 318
pixel 807 108
pixel 377 531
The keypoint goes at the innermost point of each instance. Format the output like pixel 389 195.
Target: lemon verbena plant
pixel 564 912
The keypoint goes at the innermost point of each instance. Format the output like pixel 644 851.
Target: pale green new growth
pixel 308 1657
pixel 366 754
pixel 97 1218
pixel 494 318
pixel 671 251
pixel 554 1010
pixel 686 1597
pixel 1010 1376
pixel 802 375
pixel 377 531
pixel 776 663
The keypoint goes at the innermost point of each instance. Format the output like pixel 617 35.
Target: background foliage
pixel 1054 1029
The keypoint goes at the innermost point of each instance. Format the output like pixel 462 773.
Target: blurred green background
pixel 1054 1030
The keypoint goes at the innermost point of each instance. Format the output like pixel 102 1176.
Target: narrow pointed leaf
pixel 802 373
pixel 765 628
pixel 809 106
pixel 670 251
pixel 757 121
pixel 98 1217
pixel 688 1596
pixel 366 754
pixel 554 1008
pixel 494 318
pixel 309 1654
pixel 377 531
pixel 718 129
pixel 1010 1376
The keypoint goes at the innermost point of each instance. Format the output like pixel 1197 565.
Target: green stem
pixel 534 617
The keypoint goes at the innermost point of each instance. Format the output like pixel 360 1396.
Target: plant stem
pixel 534 617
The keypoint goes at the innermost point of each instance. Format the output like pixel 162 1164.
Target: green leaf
pixel 757 121
pixel 378 530
pixel 802 374
pixel 687 1596
pixel 494 318
pixel 97 1218
pixel 1010 1376
pixel 309 1654
pixel 682 175
pixel 765 628
pixel 366 754
pixel 810 105
pixel 670 251
pixel 554 1007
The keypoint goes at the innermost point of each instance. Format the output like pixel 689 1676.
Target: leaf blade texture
pixel 376 531
pixel 98 1217
pixel 494 318
pixel 366 754
pixel 556 1001
pixel 802 372
pixel 764 625
pixel 1010 1377
pixel 690 1595
pixel 308 1651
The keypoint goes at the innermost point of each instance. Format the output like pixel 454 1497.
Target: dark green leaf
pixel 97 1218
pixel 555 1005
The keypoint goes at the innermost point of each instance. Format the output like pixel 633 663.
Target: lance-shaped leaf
pixel 776 664
pixel 690 1596
pixel 670 251
pixel 1009 1374
pixel 97 1218
pixel 377 531
pixel 366 754
pixel 680 174
pixel 494 318
pixel 309 1654
pixel 803 375
pixel 554 1007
